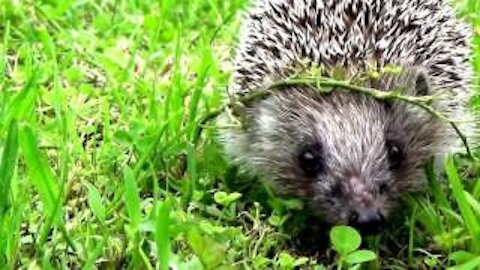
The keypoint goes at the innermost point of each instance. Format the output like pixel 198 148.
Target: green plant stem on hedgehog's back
pixel 326 85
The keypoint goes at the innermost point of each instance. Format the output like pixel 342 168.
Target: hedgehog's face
pixel 349 155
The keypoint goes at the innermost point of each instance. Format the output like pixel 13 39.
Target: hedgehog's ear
pixel 422 84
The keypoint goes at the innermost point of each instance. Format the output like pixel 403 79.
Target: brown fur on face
pixel 351 133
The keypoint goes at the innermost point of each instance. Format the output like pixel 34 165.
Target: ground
pixel 100 169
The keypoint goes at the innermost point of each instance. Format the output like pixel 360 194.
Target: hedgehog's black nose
pixel 367 220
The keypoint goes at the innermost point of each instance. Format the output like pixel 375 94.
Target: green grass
pixel 99 103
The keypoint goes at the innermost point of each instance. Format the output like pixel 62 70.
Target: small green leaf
pixel 373 74
pixel 275 220
pixel 355 267
pixel 300 261
pixel 220 197
pixel 431 262
pixel 260 262
pixel 73 74
pixel 293 204
pixel 193 263
pixel 95 202
pixel 392 69
pixel 461 256
pixel 123 137
pixel 286 261
pixel 225 199
pixel 360 256
pixel 210 253
pixel 472 264
pixel 345 239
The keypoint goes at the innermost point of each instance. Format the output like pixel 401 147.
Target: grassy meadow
pixel 100 167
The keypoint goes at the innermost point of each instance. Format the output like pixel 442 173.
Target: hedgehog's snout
pixel 368 220
pixel 365 212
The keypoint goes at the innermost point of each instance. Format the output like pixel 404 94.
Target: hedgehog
pixel 349 156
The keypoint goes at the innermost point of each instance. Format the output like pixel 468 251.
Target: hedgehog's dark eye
pixel 382 188
pixel 336 191
pixel 310 160
pixel 395 155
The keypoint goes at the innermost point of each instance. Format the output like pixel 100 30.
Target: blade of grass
pixel 470 220
pixel 189 185
pixel 45 183
pixel 132 199
pixel 440 197
pixel 411 244
pixel 473 203
pixel 162 234
pixel 143 160
pixel 170 99
pixel 13 228
pixel 23 103
pixel 132 203
pixel 7 166
pixel 206 62
pixel 39 171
